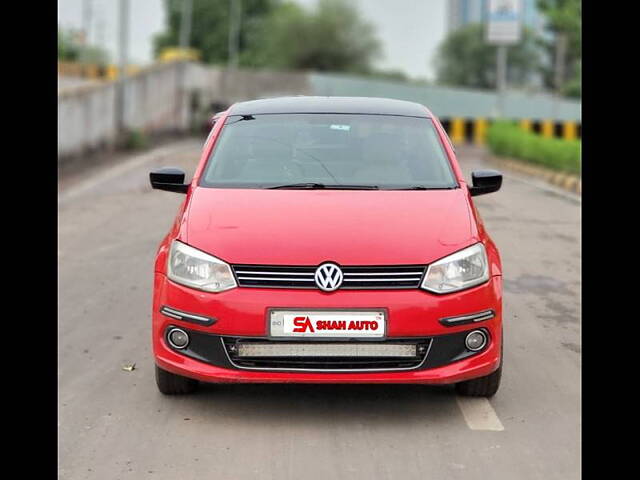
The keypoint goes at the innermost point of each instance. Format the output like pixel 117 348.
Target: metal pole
pixel 558 78
pixel 561 51
pixel 123 44
pixel 182 94
pixel 501 76
pixel 235 13
pixel 86 29
pixel 100 27
pixel 123 37
pixel 185 23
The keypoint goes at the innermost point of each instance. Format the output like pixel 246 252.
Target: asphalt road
pixel 114 424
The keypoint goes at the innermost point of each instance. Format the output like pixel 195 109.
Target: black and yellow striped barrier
pixel 464 130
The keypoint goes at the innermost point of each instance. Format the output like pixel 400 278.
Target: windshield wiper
pixel 231 120
pixel 322 186
pixel 309 186
pixel 422 187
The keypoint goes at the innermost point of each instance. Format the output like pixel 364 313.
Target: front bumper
pixel 241 313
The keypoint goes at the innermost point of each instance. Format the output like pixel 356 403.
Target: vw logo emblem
pixel 328 277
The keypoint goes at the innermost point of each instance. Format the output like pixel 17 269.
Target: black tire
pixel 484 386
pixel 172 384
pixel 481 387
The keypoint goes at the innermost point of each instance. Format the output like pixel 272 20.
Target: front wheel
pixel 172 384
pixel 481 387
pixel 486 386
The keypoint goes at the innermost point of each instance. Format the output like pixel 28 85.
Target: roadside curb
pixel 566 181
pixel 125 165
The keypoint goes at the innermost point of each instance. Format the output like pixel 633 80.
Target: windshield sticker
pixel 345 128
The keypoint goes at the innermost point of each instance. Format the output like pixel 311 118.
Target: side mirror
pixel 170 179
pixel 485 181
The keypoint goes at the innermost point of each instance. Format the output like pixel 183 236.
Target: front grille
pixel 324 356
pixel 355 277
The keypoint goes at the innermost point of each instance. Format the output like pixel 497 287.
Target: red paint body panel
pixel 477 366
pixel 308 227
pixel 243 312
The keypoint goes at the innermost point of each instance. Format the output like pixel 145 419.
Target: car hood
pixel 349 227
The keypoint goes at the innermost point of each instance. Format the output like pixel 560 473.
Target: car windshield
pixel 328 151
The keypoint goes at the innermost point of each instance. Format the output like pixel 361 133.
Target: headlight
pixel 194 268
pixel 461 270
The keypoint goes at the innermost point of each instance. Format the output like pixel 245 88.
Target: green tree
pixel 573 87
pixel 564 21
pixel 68 49
pixel 71 49
pixel 278 34
pixel 331 37
pixel 95 55
pixel 210 26
pixel 465 59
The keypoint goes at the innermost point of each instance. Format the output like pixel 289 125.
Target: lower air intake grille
pixel 369 277
pixel 397 354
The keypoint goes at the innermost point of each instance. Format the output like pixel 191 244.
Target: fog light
pixel 178 338
pixel 476 340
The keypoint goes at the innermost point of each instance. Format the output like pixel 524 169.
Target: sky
pixel 409 30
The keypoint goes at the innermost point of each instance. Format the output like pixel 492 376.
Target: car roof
pixel 312 104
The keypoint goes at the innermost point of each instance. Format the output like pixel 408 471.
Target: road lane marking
pixel 542 185
pixel 479 414
pixel 123 168
pixel 465 157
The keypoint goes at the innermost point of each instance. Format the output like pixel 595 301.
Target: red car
pixel 328 240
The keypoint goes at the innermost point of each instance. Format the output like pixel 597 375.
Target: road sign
pixel 503 25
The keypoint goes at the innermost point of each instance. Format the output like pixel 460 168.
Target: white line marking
pixel 479 414
pixel 543 185
pixel 532 181
pixel 120 169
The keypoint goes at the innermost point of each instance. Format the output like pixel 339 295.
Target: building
pixel 463 12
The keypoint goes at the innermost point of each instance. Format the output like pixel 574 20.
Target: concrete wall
pixel 241 85
pixel 448 102
pixel 225 87
pixel 159 99
pixel 155 101
pixel 86 119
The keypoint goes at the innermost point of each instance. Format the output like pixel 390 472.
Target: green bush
pixel 508 139
pixel 136 140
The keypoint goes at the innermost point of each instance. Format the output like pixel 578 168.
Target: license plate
pixel 327 324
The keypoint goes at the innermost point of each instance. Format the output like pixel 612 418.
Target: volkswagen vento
pixel 328 240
